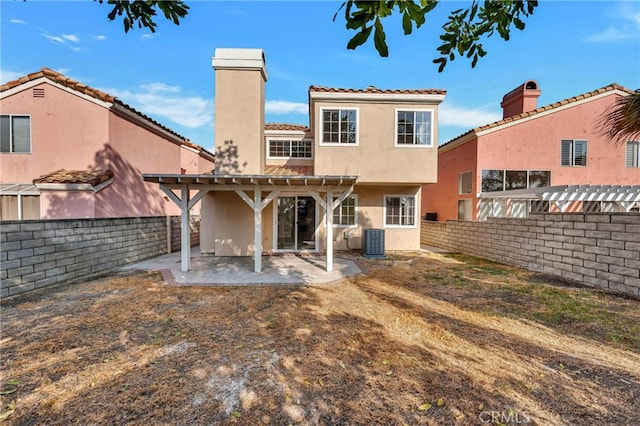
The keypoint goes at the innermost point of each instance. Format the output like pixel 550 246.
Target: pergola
pixel 625 196
pixel 243 185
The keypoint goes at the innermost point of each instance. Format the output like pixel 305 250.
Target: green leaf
pixel 236 414
pixel 424 407
pixel 406 24
pixel 379 40
pixel 13 382
pixel 7 392
pixel 359 38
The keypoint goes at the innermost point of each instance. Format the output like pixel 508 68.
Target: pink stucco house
pixel 501 169
pixel 71 151
pixel 358 166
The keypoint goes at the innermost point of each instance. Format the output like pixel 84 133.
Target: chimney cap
pixel 240 58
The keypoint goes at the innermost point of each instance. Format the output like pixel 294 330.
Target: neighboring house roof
pixel 286 126
pixel 59 78
pixel 372 89
pixel 91 177
pixel 509 120
pixel 288 170
pixel 201 150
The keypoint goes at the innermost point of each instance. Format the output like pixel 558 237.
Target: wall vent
pixel 38 93
pixel 373 243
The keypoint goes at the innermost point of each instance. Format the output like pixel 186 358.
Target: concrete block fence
pixel 39 253
pixel 176 232
pixel 598 249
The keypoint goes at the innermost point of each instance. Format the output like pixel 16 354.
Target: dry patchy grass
pixel 431 340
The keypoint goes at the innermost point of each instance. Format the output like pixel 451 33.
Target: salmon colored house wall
pixel 442 198
pixel 64 129
pixel 531 143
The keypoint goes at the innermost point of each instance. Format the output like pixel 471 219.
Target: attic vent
pixel 531 85
pixel 38 93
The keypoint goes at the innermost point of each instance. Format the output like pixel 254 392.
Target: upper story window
pixel 289 148
pixel 345 214
pixel 465 182
pixel 414 128
pixel 633 154
pixel 574 153
pixel 505 180
pixel 339 126
pixel 15 133
pixel 399 211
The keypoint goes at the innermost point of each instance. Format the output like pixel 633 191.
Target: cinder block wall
pixel 176 232
pixel 601 250
pixel 40 253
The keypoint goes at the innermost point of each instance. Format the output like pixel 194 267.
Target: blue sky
pixel 568 47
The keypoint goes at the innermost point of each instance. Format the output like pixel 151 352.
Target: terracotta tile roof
pixel 372 89
pixel 82 88
pixel 92 177
pixel 199 148
pixel 605 89
pixel 288 170
pixel 286 126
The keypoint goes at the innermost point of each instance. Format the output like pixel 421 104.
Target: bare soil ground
pixel 421 340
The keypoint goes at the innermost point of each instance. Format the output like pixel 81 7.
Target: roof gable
pixel 497 125
pixel 49 75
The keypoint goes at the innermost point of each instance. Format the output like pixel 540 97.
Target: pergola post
pixel 185 223
pixel 257 222
pixel 329 219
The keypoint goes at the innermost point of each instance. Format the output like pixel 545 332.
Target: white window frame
pixel 630 155
pixel 460 182
pixel 415 210
pixel 321 119
pixel 355 213
pixel 290 140
pixel 11 134
pixel 395 129
pixel 572 153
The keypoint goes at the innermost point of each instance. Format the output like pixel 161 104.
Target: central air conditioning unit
pixel 373 243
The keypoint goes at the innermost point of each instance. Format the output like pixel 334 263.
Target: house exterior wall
pixel 53 145
pixel 375 158
pixel 370 214
pixel 68 204
pixel 532 144
pixel 442 197
pixel 133 150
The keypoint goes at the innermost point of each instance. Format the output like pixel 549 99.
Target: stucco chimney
pixel 523 98
pixel 240 77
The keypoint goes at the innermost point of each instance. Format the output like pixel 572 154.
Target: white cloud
pixel 100 37
pixel 55 39
pixel 451 115
pixel 7 75
pixel 624 24
pixel 71 37
pixel 147 36
pixel 160 87
pixel 161 100
pixel 286 107
pixel 76 48
pixel 64 71
pixel 18 21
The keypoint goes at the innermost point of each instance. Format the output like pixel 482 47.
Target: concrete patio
pixel 279 269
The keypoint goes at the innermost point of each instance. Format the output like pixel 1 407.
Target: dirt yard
pixel 423 340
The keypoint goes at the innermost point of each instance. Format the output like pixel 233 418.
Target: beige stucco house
pixel 360 164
